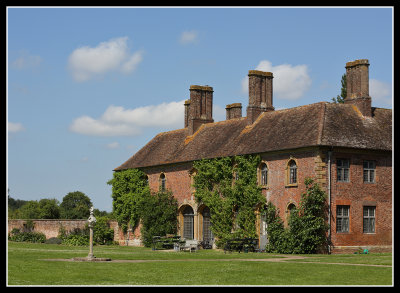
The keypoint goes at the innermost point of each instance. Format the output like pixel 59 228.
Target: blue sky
pixel 88 87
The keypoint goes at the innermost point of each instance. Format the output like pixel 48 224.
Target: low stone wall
pixel 51 228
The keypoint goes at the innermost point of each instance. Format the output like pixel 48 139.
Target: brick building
pixel 346 147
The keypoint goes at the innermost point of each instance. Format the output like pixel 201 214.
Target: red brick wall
pixel 311 162
pixel 177 180
pixel 278 190
pixel 357 194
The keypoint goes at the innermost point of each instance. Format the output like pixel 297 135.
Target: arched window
pixel 162 182
pixel 188 222
pixel 290 209
pixel 263 174
pixel 292 172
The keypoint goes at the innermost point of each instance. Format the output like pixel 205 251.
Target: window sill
pixel 291 185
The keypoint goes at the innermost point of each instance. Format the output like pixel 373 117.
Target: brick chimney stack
pixel 357 79
pixel 233 111
pixel 187 107
pixel 260 94
pixel 199 109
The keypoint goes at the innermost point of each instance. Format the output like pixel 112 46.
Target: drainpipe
pixel 329 201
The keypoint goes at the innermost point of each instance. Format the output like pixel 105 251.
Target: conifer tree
pixel 343 91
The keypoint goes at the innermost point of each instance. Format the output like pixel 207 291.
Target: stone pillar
pixel 92 221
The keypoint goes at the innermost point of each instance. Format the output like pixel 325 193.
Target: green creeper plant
pixel 129 187
pixel 228 186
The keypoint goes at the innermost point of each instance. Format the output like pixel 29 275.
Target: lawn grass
pixel 27 265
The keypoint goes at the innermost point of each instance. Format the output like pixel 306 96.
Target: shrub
pixel 35 237
pixel 76 237
pixel 76 240
pixel 159 216
pixel 306 232
pixel 53 240
pixel 102 233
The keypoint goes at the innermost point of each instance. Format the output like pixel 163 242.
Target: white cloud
pixel 85 159
pixel 380 92
pixel 219 113
pixel 117 121
pixel 112 145
pixel 188 37
pixel 289 83
pixel 15 127
pixel 26 61
pixel 113 55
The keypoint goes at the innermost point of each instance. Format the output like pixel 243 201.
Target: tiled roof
pixel 319 124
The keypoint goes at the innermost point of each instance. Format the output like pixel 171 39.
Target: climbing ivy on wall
pixel 133 201
pixel 228 186
pixel 129 188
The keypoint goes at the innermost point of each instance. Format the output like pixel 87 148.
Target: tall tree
pixel 49 208
pixel 75 205
pixel 343 91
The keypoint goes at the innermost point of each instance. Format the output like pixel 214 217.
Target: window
pixel 263 174
pixel 291 208
pixel 343 166
pixel 162 182
pixel 369 171
pixel 369 219
pixel 342 219
pixel 292 172
pixel 188 222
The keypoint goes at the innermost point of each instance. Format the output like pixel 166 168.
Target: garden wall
pixel 51 228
